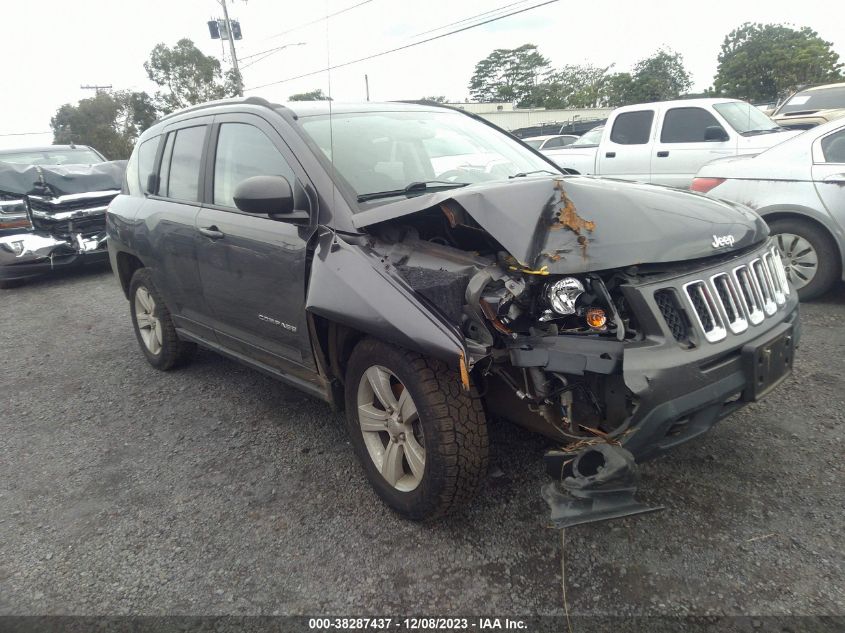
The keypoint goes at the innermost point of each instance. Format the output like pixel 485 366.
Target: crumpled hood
pixel 59 180
pixel 572 224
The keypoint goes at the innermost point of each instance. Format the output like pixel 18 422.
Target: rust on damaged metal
pixel 568 218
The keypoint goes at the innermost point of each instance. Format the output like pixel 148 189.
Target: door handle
pixel 610 155
pixel 834 178
pixel 212 232
pixel 663 154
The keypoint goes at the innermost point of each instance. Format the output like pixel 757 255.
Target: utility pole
pixel 367 86
pixel 96 89
pixel 240 83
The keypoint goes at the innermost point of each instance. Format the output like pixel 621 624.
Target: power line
pixel 400 48
pixel 269 53
pixel 472 17
pixel 326 17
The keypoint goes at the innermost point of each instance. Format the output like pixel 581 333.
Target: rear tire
pixel 442 419
pixel 153 325
pixel 812 273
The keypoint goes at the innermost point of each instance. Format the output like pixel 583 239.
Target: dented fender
pixel 353 286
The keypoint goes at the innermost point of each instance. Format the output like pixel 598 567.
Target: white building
pixel 508 117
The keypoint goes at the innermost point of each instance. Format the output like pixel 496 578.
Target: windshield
pixel 535 143
pixel 589 138
pixel 52 157
pixel 825 99
pixel 745 118
pixel 388 151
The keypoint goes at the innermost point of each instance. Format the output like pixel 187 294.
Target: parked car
pixel 550 141
pixel 799 189
pixel 811 107
pixel 53 209
pixel 665 143
pixel 595 312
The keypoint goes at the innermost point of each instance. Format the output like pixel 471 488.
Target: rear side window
pixel 686 125
pixel 244 151
pixel 833 148
pixel 146 163
pixel 554 142
pixel 632 128
pixel 180 165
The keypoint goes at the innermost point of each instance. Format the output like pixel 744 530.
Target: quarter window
pixel 146 162
pixel 833 147
pixel 632 128
pixel 180 170
pixel 687 125
pixel 244 151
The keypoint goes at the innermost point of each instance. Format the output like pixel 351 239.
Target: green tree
pixel 659 78
pixel 618 90
pixel 510 75
pixel 188 76
pixel 763 62
pixel 312 95
pixel 573 86
pixel 109 122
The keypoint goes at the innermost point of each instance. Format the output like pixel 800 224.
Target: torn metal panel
pixel 576 224
pixel 351 285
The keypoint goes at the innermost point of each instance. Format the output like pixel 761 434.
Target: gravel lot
pixel 215 490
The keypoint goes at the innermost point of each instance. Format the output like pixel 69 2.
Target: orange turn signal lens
pixel 596 318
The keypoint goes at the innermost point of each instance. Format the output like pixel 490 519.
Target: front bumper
pixel 679 387
pixel 32 254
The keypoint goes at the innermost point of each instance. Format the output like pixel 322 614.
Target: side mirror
pixel 715 133
pixel 270 195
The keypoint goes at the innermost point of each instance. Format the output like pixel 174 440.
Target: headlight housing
pixel 562 294
pixel 13 215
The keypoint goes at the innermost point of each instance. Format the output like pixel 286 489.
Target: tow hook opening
pixel 597 484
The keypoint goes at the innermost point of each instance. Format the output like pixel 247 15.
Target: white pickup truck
pixel 667 142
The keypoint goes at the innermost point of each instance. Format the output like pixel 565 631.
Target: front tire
pixel 421 438
pixel 809 256
pixel 153 326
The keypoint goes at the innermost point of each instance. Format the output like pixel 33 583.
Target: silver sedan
pixel 798 186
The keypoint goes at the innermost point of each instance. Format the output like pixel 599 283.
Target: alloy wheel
pixel 149 326
pixel 800 259
pixel 390 426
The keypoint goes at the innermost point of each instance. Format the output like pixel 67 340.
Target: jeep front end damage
pixel 568 334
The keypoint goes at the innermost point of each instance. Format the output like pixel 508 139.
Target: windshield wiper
pixel 768 130
pixel 415 187
pixel 523 174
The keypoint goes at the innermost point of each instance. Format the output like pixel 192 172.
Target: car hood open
pixel 571 224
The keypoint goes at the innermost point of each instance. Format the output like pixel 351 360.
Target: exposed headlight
pixel 562 294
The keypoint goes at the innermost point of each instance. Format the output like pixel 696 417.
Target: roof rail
pixel 259 101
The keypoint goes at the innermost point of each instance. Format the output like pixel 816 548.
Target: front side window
pixel 244 151
pixel 687 125
pixel 632 128
pixel 182 169
pixel 590 138
pixel 833 147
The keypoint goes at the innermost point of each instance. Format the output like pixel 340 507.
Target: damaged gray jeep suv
pixel 424 270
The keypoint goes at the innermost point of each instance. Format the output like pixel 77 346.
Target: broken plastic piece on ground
pixel 601 481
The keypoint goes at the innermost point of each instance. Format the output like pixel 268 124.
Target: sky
pixel 50 48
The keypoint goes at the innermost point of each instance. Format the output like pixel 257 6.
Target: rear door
pixel 829 173
pixel 626 152
pixel 253 268
pixel 682 149
pixel 168 231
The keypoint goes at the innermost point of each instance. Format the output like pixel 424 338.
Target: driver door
pixel 252 268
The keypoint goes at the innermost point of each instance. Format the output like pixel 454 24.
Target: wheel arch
pixel 811 216
pixel 127 264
